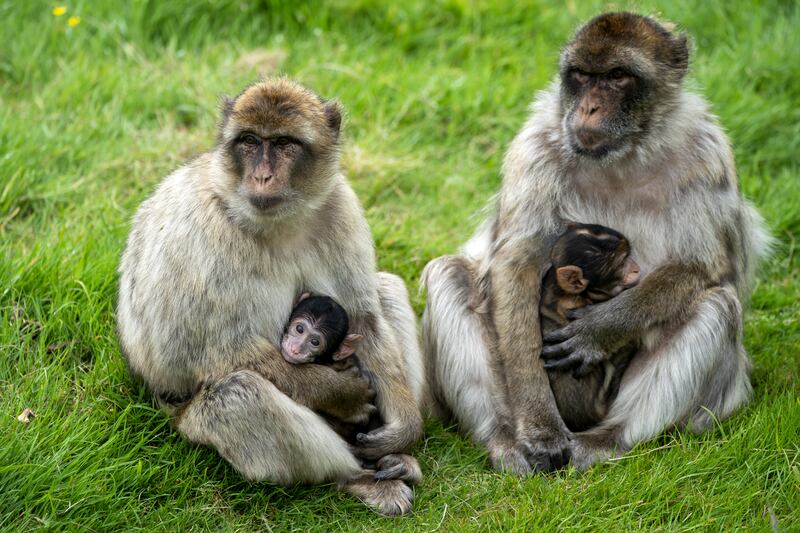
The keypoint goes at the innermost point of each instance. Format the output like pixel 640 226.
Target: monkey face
pixel 267 166
pixel 279 143
pixel 302 342
pixel 618 73
pixel 600 117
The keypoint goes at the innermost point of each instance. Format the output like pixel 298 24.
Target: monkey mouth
pixel 295 360
pixel 264 202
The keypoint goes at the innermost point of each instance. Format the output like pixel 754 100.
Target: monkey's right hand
pixel 353 402
pixel 545 449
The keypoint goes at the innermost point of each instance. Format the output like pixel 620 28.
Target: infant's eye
pixel 299 328
pixel 315 342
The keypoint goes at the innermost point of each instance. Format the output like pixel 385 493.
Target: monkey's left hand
pixel 591 338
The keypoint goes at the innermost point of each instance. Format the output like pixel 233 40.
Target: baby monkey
pixel 317 333
pixel 590 264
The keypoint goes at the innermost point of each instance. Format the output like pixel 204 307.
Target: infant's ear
pixel 302 297
pixel 570 279
pixel 348 347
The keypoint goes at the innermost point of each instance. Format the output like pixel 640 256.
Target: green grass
pixel 91 118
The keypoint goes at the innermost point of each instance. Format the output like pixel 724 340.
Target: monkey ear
pixel 570 279
pixel 680 53
pixel 302 297
pixel 348 346
pixel 333 114
pixel 226 107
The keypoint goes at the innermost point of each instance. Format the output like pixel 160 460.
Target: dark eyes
pixel 254 140
pixel 299 328
pixel 617 74
pixel 315 342
pixel 249 138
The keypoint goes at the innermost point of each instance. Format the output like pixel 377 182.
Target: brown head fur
pixel 598 44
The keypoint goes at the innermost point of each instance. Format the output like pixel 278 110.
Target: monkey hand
pixel 354 402
pixel 582 344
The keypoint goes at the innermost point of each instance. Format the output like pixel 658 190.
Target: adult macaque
pixel 210 273
pixel 589 264
pixel 617 141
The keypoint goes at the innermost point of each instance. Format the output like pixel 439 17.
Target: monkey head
pixel 278 143
pixel 620 74
pixel 317 331
pixel 593 261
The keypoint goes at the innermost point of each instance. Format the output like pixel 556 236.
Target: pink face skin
pixel 302 342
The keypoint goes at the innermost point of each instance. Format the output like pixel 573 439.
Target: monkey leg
pixel 698 374
pixel 267 436
pixel 264 434
pixel 458 361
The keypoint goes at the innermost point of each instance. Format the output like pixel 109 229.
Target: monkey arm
pixel 345 395
pixel 664 297
pixel 516 273
pixel 381 353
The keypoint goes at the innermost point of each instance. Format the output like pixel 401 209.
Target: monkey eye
pixel 299 328
pixel 617 74
pixel 314 342
pixel 580 76
pixel 249 138
pixel 282 141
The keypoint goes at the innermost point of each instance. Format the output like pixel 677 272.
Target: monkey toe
pixel 388 439
pixel 510 460
pixel 391 497
pixel 399 466
pixel 548 455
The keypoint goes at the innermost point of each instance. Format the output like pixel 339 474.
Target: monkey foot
pixel 590 448
pixel 391 497
pixel 509 460
pixel 399 466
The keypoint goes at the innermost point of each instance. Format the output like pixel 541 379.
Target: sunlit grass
pixel 93 115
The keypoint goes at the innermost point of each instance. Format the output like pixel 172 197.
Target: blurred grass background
pixel 93 114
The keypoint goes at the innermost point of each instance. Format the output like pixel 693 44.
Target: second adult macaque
pixel 616 140
pixel 590 264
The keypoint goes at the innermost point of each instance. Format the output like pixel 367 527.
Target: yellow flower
pixel 59 10
pixel 74 21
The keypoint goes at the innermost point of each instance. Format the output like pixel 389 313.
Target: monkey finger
pixel 557 351
pixel 559 335
pixel 393 472
pixel 567 363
